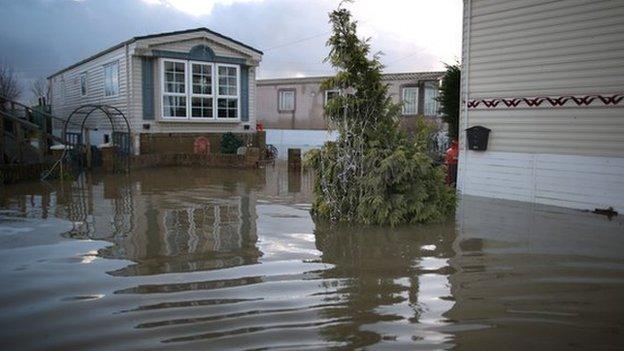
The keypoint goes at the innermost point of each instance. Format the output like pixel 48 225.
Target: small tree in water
pixel 373 173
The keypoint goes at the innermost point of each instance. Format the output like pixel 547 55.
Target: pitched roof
pixel 149 36
pixel 434 75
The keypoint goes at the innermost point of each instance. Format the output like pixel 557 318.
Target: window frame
pixel 436 88
pixel 279 96
pixel 163 93
pixel 327 93
pixel 218 95
pixel 190 96
pixel 403 109
pixel 83 75
pixel 116 64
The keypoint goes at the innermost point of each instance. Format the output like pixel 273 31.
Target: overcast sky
pixel 38 37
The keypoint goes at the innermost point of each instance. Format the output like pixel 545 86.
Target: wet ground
pixel 185 259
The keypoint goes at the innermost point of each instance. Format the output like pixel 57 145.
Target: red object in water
pixel 260 127
pixel 201 146
pixel 450 160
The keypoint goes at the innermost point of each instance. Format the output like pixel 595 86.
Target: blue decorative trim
pixel 199 53
pixel 147 72
pixel 244 78
pixel 202 53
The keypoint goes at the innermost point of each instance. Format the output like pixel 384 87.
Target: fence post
pixel 1 139
pixel 43 139
pixel 87 143
pixel 19 142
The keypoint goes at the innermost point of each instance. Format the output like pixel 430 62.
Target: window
pixel 111 79
pixel 83 83
pixel 227 91
pixel 174 89
pixel 200 90
pixel 286 100
pixel 410 100
pixel 330 94
pixel 431 102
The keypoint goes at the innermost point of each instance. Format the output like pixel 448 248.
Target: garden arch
pixel 92 118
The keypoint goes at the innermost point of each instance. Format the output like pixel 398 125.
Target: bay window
pixel 227 99
pixel 201 94
pixel 200 90
pixel 174 89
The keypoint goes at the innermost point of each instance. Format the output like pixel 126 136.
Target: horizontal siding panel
pixel 570 181
pixel 491 65
pixel 542 70
pixel 551 40
pixel 529 12
pixel 559 24
pixel 597 75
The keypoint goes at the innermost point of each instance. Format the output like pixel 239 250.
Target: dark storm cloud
pixel 38 37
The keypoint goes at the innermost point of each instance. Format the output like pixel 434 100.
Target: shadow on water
pixel 187 258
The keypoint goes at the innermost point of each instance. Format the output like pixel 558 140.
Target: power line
pixel 296 41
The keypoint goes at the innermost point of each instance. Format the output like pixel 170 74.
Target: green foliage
pixel 450 100
pixel 67 176
pixel 373 173
pixel 230 143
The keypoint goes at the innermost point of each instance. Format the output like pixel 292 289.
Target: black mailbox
pixel 477 138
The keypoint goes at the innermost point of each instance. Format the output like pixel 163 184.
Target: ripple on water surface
pixel 215 259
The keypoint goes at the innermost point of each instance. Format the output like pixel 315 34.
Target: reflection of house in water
pixel 207 221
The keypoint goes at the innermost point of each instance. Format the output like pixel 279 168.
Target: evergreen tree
pixel 449 99
pixel 373 173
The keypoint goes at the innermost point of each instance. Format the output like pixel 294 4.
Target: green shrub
pixel 373 173
pixel 230 143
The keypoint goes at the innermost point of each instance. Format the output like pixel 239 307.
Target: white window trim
pixel 86 79
pixel 118 83
pixel 327 93
pixel 403 110
pixel 237 96
pixel 279 99
pixel 163 93
pixel 188 92
pixel 189 101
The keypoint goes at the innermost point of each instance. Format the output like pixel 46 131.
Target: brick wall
pixel 183 143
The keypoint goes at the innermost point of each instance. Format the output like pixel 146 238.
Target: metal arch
pixel 118 122
pixel 105 109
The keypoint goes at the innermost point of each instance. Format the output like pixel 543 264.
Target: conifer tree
pixel 373 173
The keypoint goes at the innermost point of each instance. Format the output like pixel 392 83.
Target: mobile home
pixel 547 78
pixel 298 103
pixel 171 87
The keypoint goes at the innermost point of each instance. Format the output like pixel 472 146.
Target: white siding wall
pixel 66 99
pixel 570 156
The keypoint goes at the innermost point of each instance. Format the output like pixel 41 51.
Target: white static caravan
pixel 184 84
pixel 547 77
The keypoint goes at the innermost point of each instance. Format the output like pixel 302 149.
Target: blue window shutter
pixel 148 87
pixel 244 93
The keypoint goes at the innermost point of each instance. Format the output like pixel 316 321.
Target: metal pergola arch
pixel 119 124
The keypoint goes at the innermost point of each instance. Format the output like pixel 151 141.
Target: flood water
pixel 195 259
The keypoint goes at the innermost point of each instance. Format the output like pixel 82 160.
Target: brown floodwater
pixel 198 259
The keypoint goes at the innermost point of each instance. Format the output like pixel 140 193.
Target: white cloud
pixel 195 7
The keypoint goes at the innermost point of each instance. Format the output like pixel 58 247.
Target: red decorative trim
pixel 554 101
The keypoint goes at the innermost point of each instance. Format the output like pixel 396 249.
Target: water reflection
pixel 389 281
pixel 227 259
